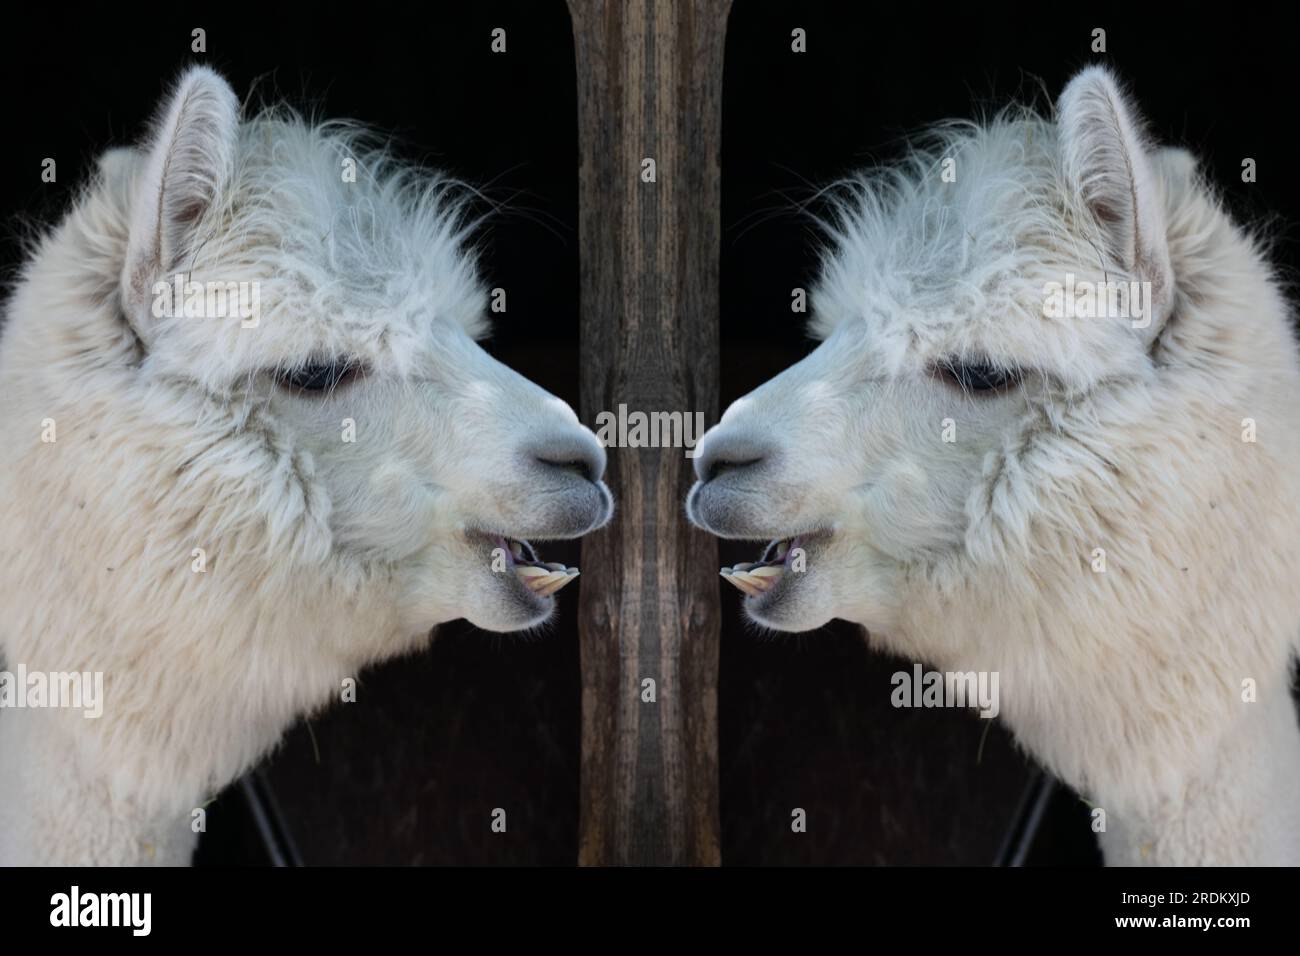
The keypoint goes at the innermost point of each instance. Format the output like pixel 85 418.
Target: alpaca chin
pixel 797 603
pixel 503 602
pixel 782 591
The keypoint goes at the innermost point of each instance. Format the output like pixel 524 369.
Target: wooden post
pixel 649 87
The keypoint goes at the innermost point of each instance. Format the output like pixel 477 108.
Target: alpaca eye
pixel 318 376
pixel 977 376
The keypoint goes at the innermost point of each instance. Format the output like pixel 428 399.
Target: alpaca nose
pixel 728 453
pixel 581 455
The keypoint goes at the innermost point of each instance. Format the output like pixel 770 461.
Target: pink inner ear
pixel 1106 212
pixel 189 212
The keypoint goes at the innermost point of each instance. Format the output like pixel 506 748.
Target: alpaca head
pixel 921 433
pixel 308 309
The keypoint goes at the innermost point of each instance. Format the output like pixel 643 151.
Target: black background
pixel 410 773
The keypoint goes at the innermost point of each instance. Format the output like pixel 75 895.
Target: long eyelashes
pixel 319 377
pixel 983 377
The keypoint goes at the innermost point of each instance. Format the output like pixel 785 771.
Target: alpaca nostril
pixel 715 469
pixel 588 463
pixel 730 451
pixel 578 454
pixel 578 466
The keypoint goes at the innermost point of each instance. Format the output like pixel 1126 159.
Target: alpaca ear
pixel 1109 168
pixel 184 172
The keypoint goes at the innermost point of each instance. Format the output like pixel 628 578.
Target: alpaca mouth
pixel 758 577
pixel 541 577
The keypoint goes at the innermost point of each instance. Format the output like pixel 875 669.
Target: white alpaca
pixel 1103 510
pixel 203 529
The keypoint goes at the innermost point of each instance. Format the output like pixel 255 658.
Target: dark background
pixel 411 772
pixel 806 720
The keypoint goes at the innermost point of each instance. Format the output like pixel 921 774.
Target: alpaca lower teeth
pixel 545 579
pixel 739 580
pixel 753 580
pixel 560 579
pixel 757 577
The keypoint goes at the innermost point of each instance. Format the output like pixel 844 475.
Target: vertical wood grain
pixel 650 86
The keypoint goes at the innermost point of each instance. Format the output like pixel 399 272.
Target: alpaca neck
pixel 1241 808
pixel 54 810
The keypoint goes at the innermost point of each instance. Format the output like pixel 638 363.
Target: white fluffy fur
pixel 322 556
pixel 977 554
